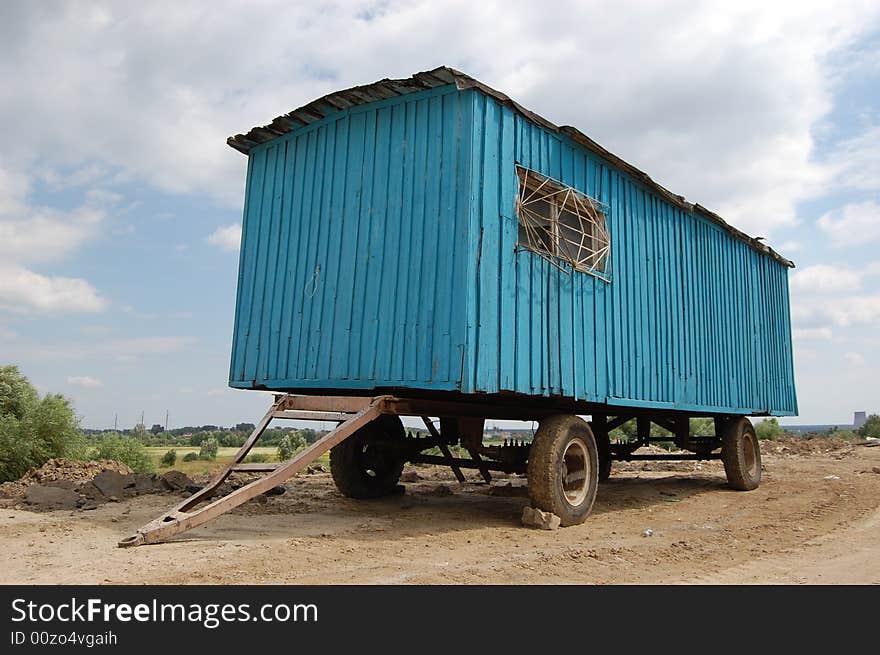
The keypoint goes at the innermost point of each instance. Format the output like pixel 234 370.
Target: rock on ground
pixel 533 517
pixel 411 476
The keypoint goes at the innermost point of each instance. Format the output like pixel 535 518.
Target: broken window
pixel 561 224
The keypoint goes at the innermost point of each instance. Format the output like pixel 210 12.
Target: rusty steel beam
pixel 675 458
pixel 465 463
pixel 342 404
pixel 302 415
pixel 253 467
pixel 447 454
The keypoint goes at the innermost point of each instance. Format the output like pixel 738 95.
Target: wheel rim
pixel 575 472
pixel 750 455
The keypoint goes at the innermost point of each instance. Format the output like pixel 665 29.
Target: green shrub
pixel 257 458
pixel 169 458
pixel 208 449
pixel 191 456
pixel 871 427
pixel 33 429
pixel 288 446
pixel 769 428
pixel 127 450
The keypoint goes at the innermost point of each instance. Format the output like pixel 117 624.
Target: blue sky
pixel 119 200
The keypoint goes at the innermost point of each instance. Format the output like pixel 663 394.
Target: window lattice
pixel 561 224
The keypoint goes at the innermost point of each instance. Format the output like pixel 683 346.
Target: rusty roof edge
pixel 386 88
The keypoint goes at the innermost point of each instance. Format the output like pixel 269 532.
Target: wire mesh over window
pixel 561 224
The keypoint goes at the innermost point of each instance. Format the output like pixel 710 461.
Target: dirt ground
pixel 814 519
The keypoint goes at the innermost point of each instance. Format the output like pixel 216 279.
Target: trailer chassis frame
pixel 461 422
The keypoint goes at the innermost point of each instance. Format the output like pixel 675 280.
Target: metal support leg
pixel 185 515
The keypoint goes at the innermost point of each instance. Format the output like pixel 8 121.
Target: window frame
pixel 561 199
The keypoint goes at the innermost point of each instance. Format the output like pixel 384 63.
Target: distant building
pixel 859 419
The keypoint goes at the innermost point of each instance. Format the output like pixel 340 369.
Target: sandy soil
pixel 815 519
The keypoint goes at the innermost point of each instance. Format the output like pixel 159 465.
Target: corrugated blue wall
pixel 379 250
pixel 692 318
pixel 354 250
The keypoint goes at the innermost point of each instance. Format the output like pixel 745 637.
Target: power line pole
pixel 115 421
pixel 166 420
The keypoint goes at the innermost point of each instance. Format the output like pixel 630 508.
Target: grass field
pixel 224 456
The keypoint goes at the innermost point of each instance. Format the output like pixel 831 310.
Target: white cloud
pixel 823 333
pixel 822 278
pixel 15 187
pixel 132 350
pixel 30 233
pixel 126 350
pixel 856 161
pixel 853 224
pixel 718 103
pixel 23 291
pixel 824 296
pixel 84 381
pixel 854 359
pixel 227 237
pixel 788 246
pixel 842 311
pixel 59 180
pixel 47 234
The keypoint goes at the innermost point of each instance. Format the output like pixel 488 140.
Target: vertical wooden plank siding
pixel 379 249
pixel 691 319
pixel 354 250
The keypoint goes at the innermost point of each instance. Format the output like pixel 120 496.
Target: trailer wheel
pixel 563 468
pixel 741 454
pixel 603 447
pixel 368 464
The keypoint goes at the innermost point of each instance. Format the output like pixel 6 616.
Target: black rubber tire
pixel 741 454
pixel 367 464
pixel 547 468
pixel 603 446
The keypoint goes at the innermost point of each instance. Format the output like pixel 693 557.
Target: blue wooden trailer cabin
pixel 430 242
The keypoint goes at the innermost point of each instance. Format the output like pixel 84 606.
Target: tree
pixel 139 431
pixel 33 429
pixel 702 427
pixel 629 432
pixel 871 427
pixel 769 428
pixel 156 429
pixel 208 449
pixel 289 444
pixel 169 458
pixel 311 436
pixel 127 450
pixel 17 394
